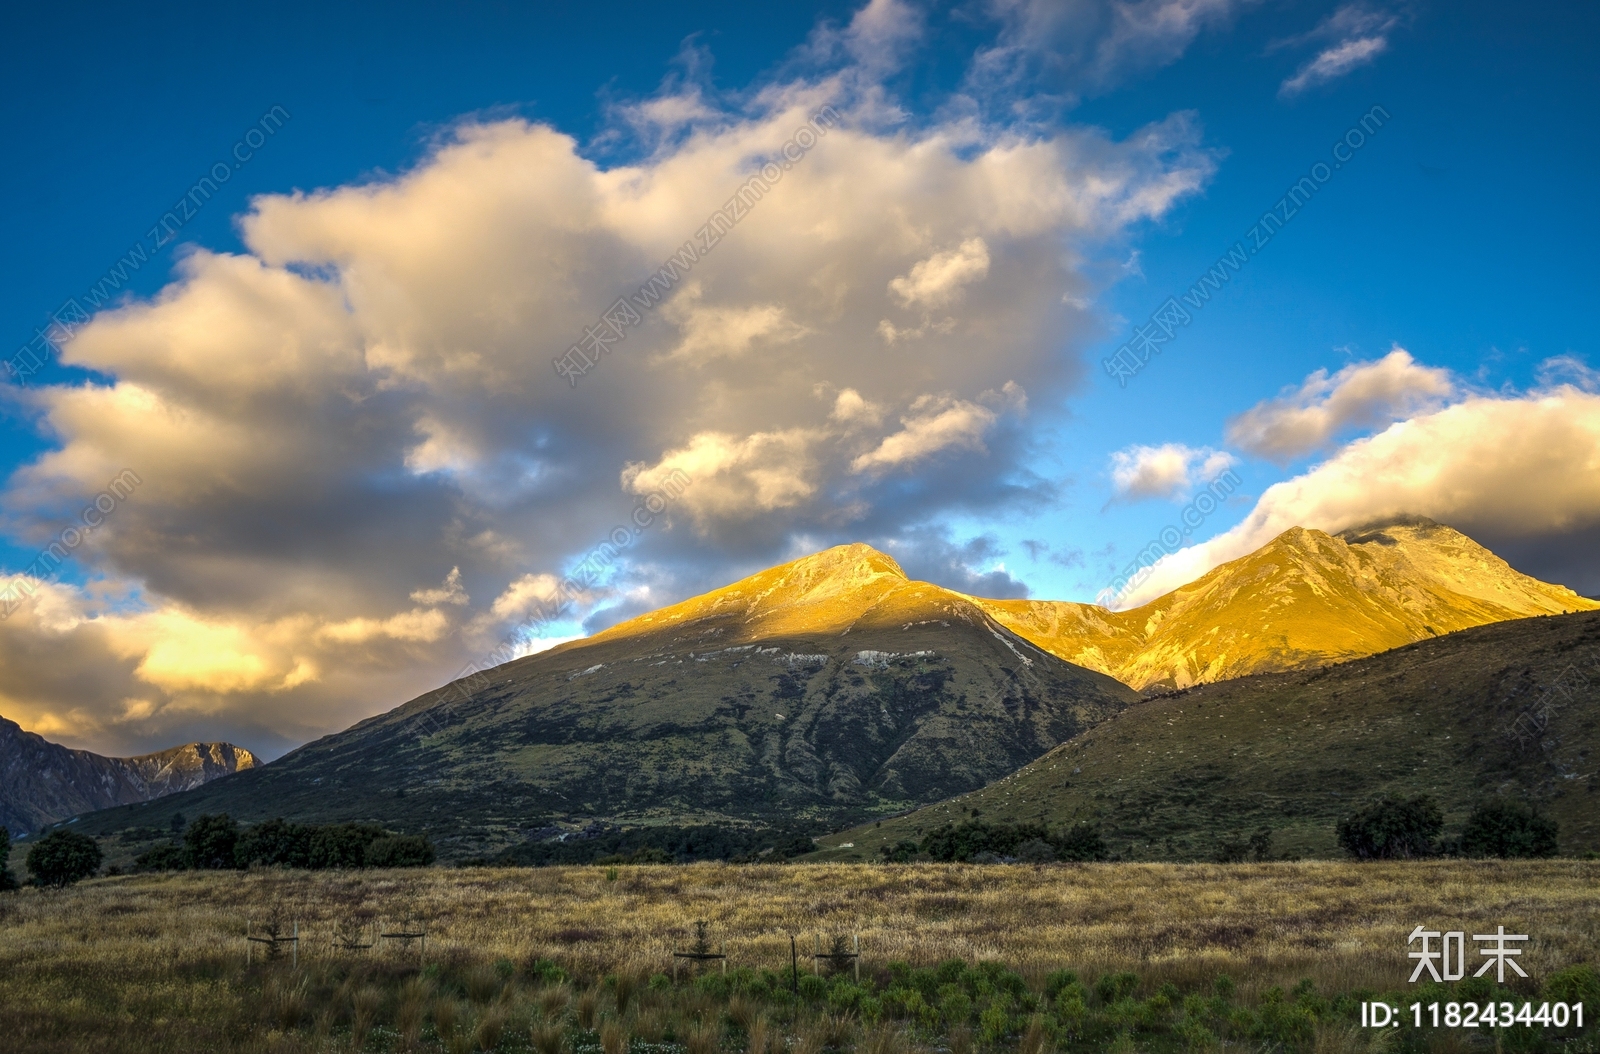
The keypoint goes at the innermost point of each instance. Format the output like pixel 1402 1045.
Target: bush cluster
pixel 1409 828
pixel 8 881
pixel 218 843
pixel 665 845
pixel 974 841
pixel 63 857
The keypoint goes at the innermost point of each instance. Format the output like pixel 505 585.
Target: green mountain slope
pixel 1507 708
pixel 818 691
pixel 1304 599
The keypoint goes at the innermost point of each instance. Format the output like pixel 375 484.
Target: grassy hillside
pixel 1175 776
pixel 815 693
pixel 1305 599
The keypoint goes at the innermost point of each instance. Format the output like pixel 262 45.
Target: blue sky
pixel 1458 232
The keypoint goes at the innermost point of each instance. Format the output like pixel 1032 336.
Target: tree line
pixel 1409 828
pixel 214 843
pixel 974 841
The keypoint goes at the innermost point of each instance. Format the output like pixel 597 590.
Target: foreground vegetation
pixel 958 958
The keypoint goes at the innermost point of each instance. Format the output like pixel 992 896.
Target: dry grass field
pixel 157 963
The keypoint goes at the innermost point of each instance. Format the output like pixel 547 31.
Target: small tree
pixel 1080 842
pixel 401 850
pixel 169 856
pixel 1393 829
pixel 7 880
pixel 1504 828
pixel 210 841
pixel 62 858
pixel 343 845
pixel 275 844
pixel 1036 851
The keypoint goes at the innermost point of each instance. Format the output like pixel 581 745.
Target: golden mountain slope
pixel 839 591
pixel 814 693
pixel 1304 599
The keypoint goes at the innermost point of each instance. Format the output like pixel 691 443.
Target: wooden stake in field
pixel 702 951
pixel 272 940
pixel 407 933
pixel 837 957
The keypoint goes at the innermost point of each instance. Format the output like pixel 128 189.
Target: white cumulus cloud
pixel 1170 470
pixel 1363 395
pixel 1506 470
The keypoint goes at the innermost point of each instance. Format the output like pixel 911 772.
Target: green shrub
pixel 1393 829
pixel 400 850
pixel 275 844
pixel 169 856
pixel 1062 981
pixel 902 852
pixel 846 997
pixel 1575 984
pixel 994 1024
pixel 955 1006
pixel 343 845
pixel 7 880
pixel 62 858
pixel 1081 842
pixel 1504 828
pixel 813 987
pixel 1071 1011
pixel 1036 851
pixel 211 842
pixel 1112 987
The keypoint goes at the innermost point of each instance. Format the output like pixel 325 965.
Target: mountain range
pixel 816 692
pixel 1305 599
pixel 1508 709
pixel 42 782
pixel 834 688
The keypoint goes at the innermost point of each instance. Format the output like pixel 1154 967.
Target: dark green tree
pixel 343 845
pixel 1393 829
pixel 211 841
pixel 62 858
pixel 1080 842
pixel 1036 851
pixel 169 856
pixel 902 852
pixel 275 844
pixel 1505 828
pixel 7 880
pixel 400 850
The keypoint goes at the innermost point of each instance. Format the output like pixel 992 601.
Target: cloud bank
pixel 1519 473
pixel 361 468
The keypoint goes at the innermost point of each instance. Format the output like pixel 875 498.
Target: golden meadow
pixel 569 960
